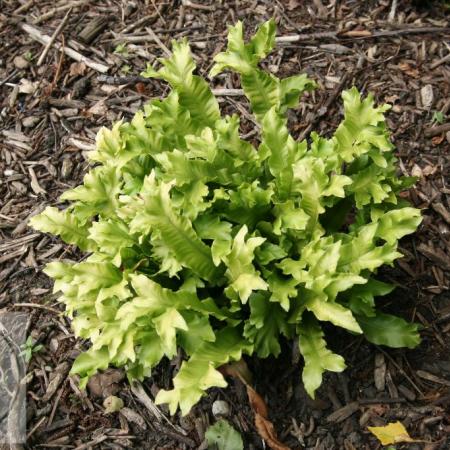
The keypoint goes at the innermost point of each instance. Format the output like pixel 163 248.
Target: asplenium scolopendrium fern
pixel 202 242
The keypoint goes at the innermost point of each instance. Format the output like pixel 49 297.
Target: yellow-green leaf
pixel 392 433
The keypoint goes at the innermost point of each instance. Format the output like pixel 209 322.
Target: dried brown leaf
pixel 437 139
pixel 256 402
pixel 267 431
pixel 77 69
pixel 411 71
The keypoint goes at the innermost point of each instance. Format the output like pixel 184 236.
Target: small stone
pixel 54 345
pixel 66 168
pixel 20 62
pixel 427 96
pixel 19 187
pixel 30 121
pixel 220 408
pixel 380 372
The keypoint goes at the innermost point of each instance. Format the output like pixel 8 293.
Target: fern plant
pixel 202 243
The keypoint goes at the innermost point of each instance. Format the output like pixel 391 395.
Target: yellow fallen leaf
pixel 392 433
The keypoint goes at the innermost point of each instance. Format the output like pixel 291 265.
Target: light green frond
pixel 193 91
pixel 243 276
pixel 65 225
pixel 97 195
pixel 318 358
pixel 199 373
pixel 385 329
pixel 266 323
pixel 111 236
pixel 334 313
pixel 166 325
pixel 174 231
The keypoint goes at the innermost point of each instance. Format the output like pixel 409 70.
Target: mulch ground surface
pixel 51 107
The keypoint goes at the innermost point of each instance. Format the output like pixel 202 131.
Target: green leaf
pixel 267 321
pixel 199 374
pixel 63 224
pixel 392 331
pixel 111 237
pixel 88 363
pixel 174 231
pixel 224 436
pixel 334 313
pixel 240 270
pixel 97 195
pixel 317 357
pixel 398 223
pixel 362 297
pixel 194 93
pixel 166 325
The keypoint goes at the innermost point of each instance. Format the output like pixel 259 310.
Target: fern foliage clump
pixel 203 243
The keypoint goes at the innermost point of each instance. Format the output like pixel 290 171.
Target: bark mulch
pixel 53 102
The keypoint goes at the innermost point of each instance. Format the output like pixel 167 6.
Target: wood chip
pixel 343 413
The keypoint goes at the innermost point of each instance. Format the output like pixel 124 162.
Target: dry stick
pixel 44 39
pixel 393 10
pixel 374 34
pixel 24 8
pixel 144 20
pixel 189 4
pixel 109 79
pixel 223 92
pixel 438 129
pixel 54 11
pixel 414 385
pixel 161 44
pixel 38 306
pixel 53 38
pixel 440 61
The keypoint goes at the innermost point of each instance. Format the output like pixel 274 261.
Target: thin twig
pixel 37 306
pixel 130 79
pixel 160 43
pixel 24 8
pixel 393 10
pixel 53 11
pixel 53 38
pixel 365 34
pixel 222 92
pixel 140 22
pixel 322 110
pixel 440 61
pixel 438 129
pixel 414 385
pixel 37 35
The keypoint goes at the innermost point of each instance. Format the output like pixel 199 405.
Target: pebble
pixel 427 96
pixel 21 63
pixel 30 121
pixel 220 408
pixel 66 168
